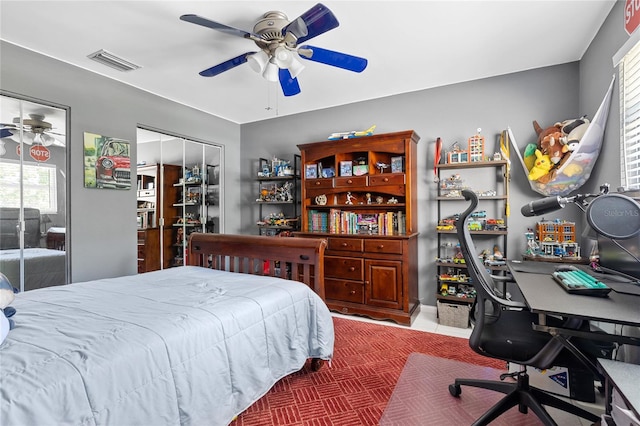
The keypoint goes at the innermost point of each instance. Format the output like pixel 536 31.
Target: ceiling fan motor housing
pixel 269 28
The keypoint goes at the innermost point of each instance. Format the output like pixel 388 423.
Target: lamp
pixel 258 61
pixel 271 71
pixel 261 62
pixel 27 138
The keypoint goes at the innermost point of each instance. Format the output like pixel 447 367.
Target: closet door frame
pixel 166 136
pixel 67 187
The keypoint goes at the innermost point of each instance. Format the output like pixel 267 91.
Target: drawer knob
pixel 317 182
pixel 385 179
pixel 343 244
pixel 381 246
pixel 349 181
pixel 352 268
pixel 352 292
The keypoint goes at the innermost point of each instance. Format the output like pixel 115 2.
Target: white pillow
pixel 4 327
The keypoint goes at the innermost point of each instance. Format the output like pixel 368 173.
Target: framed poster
pixel 310 171
pixel 346 168
pixel 397 164
pixel 107 162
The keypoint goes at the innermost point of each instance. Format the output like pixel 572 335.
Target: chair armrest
pixel 503 278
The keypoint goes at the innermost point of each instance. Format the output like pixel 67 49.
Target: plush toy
pixel 541 166
pixel 7 295
pixel 529 156
pixel 552 146
pixel 572 132
pixel 542 133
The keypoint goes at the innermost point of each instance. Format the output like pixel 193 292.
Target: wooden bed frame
pixel 261 255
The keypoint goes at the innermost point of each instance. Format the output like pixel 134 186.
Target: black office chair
pixel 503 330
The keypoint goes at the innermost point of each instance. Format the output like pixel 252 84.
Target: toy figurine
pixel 368 195
pixel 350 198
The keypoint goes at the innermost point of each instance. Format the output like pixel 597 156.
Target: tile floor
pixel 427 321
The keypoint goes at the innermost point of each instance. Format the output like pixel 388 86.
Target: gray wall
pixel 452 113
pixel 103 232
pixel 103 235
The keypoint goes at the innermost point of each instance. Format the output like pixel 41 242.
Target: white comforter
pixel 187 345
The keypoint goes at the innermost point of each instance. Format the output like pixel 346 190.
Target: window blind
pixel 630 118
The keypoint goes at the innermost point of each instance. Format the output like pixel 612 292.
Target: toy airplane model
pixel 352 134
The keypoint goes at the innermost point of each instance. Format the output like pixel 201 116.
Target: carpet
pixel 355 389
pixel 421 397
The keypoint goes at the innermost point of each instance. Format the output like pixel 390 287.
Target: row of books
pixel 337 221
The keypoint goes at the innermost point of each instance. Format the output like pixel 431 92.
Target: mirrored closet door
pixel 33 192
pixel 178 192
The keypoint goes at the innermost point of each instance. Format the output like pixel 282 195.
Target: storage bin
pixel 453 314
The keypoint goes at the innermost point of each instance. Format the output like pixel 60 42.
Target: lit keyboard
pixel 577 281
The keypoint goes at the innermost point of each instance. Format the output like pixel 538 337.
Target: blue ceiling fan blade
pixel 199 20
pixel 5 133
pixel 315 21
pixel 226 65
pixel 333 58
pixel 289 84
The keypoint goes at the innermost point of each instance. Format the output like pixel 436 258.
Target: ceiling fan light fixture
pixel 113 61
pixel 288 59
pixel 258 61
pixel 271 71
pixel 46 140
pixel 296 66
pixel 27 138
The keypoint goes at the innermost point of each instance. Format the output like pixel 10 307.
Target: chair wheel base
pixel 455 390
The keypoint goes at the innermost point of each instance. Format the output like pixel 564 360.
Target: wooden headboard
pixel 299 259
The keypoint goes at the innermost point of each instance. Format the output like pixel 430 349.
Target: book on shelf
pixel 337 221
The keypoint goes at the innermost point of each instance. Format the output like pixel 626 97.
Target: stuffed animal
pixel 541 166
pixel 530 155
pixel 572 132
pixel 542 133
pixel 7 295
pixel 552 146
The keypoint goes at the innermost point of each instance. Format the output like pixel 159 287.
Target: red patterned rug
pixel 355 389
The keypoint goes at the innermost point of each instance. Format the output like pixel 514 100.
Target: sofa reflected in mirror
pixel 44 254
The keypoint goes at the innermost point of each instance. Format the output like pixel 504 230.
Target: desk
pixel 544 296
pixel 624 377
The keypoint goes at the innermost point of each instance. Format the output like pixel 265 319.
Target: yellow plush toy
pixel 541 166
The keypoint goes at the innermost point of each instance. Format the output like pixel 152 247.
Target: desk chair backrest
pixel 498 319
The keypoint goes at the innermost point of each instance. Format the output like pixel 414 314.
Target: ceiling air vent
pixel 111 60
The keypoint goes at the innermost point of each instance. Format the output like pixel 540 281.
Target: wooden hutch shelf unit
pixel 360 194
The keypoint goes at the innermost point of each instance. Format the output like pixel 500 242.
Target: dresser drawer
pixel 318 183
pixel 346 291
pixel 383 246
pixel 345 244
pixel 348 268
pixel 347 181
pixel 386 179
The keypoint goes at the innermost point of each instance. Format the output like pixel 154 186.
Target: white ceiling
pixel 410 46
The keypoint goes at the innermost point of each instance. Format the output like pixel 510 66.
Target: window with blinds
pixel 630 118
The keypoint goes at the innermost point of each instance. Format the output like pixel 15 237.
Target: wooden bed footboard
pixel 299 259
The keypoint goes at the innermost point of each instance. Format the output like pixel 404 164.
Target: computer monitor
pixel 614 257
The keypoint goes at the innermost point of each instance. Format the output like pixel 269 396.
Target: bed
pixel 42 267
pixel 190 345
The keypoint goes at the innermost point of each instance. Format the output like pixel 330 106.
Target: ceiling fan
pixel 34 130
pixel 280 51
